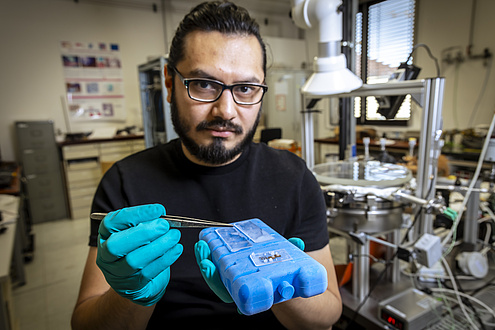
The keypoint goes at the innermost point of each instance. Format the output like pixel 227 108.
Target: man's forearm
pixel 110 311
pixel 318 312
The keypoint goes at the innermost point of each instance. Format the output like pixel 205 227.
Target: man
pixel 137 275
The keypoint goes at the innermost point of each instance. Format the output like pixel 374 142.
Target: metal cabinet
pixel 157 121
pixel 41 170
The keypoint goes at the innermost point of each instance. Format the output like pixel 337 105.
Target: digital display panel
pixel 392 320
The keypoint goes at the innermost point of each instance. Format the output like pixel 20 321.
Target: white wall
pixel 272 16
pixel 441 24
pixel 445 23
pixel 32 82
pixel 31 75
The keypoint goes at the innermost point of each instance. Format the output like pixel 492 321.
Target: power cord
pixel 467 302
pixel 429 54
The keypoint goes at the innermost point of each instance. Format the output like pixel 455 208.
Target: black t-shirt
pixel 272 185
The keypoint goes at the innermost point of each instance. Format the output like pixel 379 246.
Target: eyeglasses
pixel 207 90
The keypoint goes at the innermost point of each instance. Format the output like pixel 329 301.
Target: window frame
pixel 363 8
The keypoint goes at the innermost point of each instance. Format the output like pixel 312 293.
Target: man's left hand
pixel 210 272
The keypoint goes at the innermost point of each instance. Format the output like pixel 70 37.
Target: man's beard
pixel 214 153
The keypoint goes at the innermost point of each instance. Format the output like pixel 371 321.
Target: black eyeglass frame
pixel 186 81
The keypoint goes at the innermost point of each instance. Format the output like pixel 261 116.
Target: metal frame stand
pixel 471 218
pixel 361 259
pixel 429 148
pixel 428 93
pixel 361 270
pixel 394 271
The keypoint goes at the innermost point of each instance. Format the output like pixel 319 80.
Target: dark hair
pixel 222 16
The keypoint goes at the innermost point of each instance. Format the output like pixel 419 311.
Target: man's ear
pixel 168 83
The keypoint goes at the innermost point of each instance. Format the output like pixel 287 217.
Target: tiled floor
pixel 46 301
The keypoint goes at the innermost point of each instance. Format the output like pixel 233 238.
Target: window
pixel 384 39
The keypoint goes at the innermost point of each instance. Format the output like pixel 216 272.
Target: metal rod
pixel 471 216
pixel 360 270
pixel 429 143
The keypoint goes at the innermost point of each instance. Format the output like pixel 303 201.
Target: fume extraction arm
pixel 330 74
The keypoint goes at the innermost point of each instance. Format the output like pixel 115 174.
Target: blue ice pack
pixel 260 268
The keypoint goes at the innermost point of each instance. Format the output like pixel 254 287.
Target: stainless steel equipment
pixel 358 197
pixel 428 94
pixel 357 194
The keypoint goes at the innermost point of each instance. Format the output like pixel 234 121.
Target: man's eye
pixel 203 84
pixel 245 89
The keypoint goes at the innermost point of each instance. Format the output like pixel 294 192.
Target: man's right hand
pixel 135 251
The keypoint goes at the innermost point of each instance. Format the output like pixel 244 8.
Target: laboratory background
pixel 390 103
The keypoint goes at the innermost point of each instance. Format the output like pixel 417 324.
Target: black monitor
pixel 388 106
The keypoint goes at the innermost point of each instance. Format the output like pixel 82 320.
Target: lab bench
pixel 84 163
pixel 330 146
pixel 463 161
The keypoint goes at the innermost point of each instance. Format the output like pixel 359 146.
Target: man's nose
pixel 225 106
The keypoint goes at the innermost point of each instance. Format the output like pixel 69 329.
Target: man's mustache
pixel 219 124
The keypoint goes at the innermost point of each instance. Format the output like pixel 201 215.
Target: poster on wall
pixel 93 81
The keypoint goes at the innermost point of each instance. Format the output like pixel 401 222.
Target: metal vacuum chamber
pixel 357 194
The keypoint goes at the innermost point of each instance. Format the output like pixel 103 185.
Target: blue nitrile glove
pixel 210 272
pixel 297 242
pixel 135 251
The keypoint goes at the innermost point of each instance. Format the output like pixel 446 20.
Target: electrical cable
pixel 487 209
pixel 491 217
pixel 488 283
pixel 468 302
pixel 488 233
pixel 474 291
pixel 445 298
pixel 454 284
pixel 482 93
pixel 429 54
pixel 470 189
pixel 488 221
pixel 464 295
pixel 438 277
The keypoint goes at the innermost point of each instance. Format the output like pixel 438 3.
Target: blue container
pixel 260 268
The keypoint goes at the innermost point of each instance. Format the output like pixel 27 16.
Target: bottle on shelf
pixel 384 156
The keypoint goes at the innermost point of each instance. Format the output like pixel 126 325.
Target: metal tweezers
pixel 177 221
